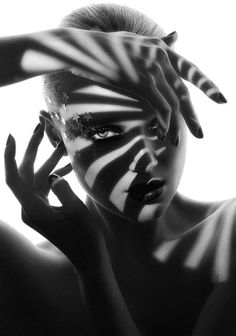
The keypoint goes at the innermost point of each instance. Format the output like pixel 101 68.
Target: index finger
pixel 190 72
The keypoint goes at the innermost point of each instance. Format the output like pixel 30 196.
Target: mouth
pixel 147 192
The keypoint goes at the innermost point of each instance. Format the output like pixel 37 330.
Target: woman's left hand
pixel 70 227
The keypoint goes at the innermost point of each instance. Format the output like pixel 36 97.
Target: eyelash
pixel 109 129
pixel 115 129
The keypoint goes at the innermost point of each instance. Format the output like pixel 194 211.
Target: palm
pixel 70 227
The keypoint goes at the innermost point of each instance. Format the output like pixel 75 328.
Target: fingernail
pixel 9 139
pixel 200 132
pixel 176 143
pixel 38 127
pixel 60 144
pixel 42 121
pixel 173 33
pixel 43 113
pixel 52 178
pixel 162 138
pixel 221 98
pixel 161 134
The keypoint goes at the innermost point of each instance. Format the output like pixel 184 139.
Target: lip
pixel 147 192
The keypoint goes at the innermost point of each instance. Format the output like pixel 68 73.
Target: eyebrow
pixel 100 110
pixel 103 119
pixel 97 90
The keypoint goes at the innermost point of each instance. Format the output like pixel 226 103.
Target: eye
pixel 103 133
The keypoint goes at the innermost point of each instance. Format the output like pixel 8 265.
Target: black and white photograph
pixel 118 168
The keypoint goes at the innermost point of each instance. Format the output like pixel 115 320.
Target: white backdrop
pixel 206 36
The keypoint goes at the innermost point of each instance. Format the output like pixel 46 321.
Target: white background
pixel 206 36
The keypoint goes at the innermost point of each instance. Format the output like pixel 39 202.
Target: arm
pixel 72 229
pixel 104 301
pixel 11 52
pixel 143 66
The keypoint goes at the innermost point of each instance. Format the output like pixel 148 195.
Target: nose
pixel 146 159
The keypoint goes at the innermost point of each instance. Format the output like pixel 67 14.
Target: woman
pixel 129 262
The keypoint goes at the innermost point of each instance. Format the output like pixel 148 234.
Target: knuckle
pixel 175 104
pixel 162 54
pixel 181 89
pixel 184 93
pixel 156 69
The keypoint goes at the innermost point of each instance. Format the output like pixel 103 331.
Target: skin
pixel 123 230
pixel 123 241
pixel 133 145
pixel 115 246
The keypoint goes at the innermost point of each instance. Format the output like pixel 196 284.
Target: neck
pixel 136 237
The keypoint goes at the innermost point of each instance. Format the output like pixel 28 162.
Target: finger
pixel 191 73
pixel 51 162
pixel 156 103
pixel 190 117
pixel 11 171
pixel 174 133
pixel 64 170
pixel 168 93
pixel 64 193
pixel 170 39
pixel 51 131
pixel 26 168
pixel 185 106
pixel 34 207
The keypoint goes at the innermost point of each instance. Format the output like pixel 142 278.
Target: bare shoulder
pixel 37 285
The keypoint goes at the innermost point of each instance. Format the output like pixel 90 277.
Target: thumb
pixel 170 39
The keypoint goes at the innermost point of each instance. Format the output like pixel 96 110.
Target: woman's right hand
pixel 143 66
pixel 70 227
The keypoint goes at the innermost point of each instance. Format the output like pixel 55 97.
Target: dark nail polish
pixel 9 139
pixel 162 138
pixel 221 98
pixel 60 144
pixel 42 121
pixel 200 132
pixel 52 178
pixel 38 127
pixel 176 143
pixel 173 33
pixel 161 134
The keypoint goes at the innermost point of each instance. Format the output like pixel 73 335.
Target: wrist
pixel 37 59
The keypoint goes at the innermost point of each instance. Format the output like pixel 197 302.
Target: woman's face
pixel 112 142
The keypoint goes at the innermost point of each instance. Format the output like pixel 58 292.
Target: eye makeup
pixel 106 132
pixel 79 127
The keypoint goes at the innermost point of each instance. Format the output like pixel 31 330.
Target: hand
pixel 144 66
pixel 70 227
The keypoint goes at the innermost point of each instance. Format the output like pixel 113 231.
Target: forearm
pixel 22 57
pixel 103 300
pixel 11 52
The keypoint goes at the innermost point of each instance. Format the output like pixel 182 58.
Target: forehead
pixel 102 102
